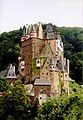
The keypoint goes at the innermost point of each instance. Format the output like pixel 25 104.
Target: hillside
pixel 16 105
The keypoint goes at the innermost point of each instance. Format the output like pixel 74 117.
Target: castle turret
pixel 49 32
pixel 33 33
pixel 52 64
pixel 24 31
pixel 54 74
pixel 40 31
pixel 27 28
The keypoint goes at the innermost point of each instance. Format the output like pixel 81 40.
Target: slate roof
pixel 42 81
pixel 49 32
pixel 11 72
pixel 47 51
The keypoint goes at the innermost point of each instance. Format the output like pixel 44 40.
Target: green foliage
pixel 35 70
pixel 9 48
pixel 75 88
pixel 3 85
pixel 64 107
pixel 14 104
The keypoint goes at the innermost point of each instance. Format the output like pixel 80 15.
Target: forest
pixel 71 36
pixel 15 104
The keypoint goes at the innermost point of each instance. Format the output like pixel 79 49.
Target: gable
pixel 47 51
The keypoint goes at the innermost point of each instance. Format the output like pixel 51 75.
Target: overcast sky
pixel 16 13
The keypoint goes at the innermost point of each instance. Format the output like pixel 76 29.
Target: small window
pixel 46 67
pixel 13 74
pixel 46 73
pixel 37 61
pixel 58 61
pixel 40 97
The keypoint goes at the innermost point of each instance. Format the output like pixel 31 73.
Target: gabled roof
pixel 11 72
pixel 47 51
pixel 42 81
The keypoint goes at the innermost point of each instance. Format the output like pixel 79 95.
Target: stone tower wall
pixel 31 48
pixel 55 86
pixel 27 57
pixel 37 46
pixel 44 71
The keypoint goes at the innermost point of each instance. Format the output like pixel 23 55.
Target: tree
pixel 9 48
pixel 64 107
pixel 3 85
pixel 14 103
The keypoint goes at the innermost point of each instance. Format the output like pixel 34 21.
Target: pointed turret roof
pixel 47 51
pixel 49 32
pixel 49 28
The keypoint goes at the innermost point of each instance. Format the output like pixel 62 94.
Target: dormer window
pixel 22 64
pixel 52 67
pixel 38 63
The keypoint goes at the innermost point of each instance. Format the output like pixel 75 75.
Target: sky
pixel 16 13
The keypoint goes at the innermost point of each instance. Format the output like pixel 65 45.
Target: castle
pixel 42 65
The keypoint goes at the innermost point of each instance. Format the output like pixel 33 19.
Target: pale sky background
pixel 16 13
